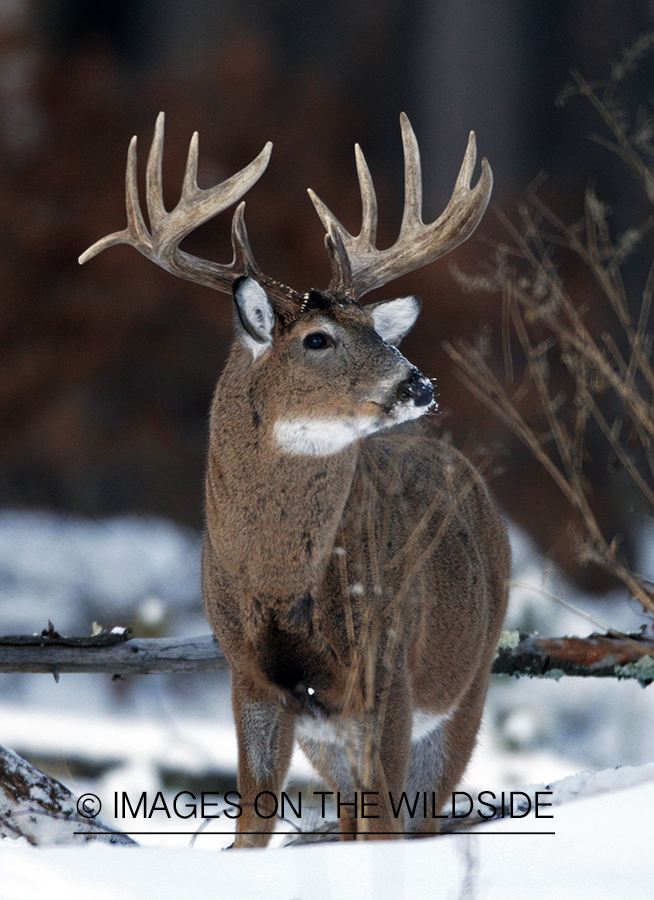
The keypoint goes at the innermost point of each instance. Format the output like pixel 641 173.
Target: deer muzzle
pixel 416 389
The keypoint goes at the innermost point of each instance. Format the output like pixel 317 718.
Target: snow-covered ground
pixel 600 848
pixel 169 734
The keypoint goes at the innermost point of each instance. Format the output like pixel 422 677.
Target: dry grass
pixel 577 379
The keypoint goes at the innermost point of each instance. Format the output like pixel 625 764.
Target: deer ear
pixel 394 318
pixel 254 318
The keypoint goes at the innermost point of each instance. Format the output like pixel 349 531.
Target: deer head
pixel 264 308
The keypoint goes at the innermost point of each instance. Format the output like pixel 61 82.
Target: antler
pixel 358 266
pixel 195 206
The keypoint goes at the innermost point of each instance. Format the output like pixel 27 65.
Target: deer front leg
pixel 385 762
pixel 366 763
pixel 265 733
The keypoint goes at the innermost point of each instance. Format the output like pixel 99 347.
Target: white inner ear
pixel 254 317
pixel 394 318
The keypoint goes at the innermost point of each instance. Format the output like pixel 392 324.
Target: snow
pixel 57 566
pixel 136 735
pixel 601 848
pixel 44 811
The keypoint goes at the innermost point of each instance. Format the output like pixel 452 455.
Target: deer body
pixel 388 547
pixel 355 567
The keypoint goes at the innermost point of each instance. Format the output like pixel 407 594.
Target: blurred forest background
pixel 106 371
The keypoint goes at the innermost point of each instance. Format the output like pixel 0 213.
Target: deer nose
pixel 417 388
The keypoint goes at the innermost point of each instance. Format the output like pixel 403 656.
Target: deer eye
pixel 318 340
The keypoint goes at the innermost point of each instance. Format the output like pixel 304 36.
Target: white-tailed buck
pixel 355 568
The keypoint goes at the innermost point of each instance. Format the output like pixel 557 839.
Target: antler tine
pixel 243 259
pixel 340 243
pixel 195 206
pixel 136 232
pixel 412 215
pixel 154 177
pixel 368 234
pixel 417 244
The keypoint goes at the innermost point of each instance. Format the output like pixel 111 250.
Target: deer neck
pixel 272 516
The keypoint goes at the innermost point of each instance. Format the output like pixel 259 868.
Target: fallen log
pixel 599 655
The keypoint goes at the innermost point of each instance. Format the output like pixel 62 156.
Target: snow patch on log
pixel 41 810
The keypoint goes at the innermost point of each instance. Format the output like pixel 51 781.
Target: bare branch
pixel 600 656
pixel 119 657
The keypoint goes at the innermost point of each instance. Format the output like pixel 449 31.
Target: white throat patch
pixel 322 436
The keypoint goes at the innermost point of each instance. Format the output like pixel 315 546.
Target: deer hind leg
pixel 265 733
pixel 365 773
pixel 439 758
pixel 332 754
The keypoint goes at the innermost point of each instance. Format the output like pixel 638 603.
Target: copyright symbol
pixel 89 805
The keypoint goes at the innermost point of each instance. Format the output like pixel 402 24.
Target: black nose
pixel 419 389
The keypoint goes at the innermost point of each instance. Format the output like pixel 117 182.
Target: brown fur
pixel 376 577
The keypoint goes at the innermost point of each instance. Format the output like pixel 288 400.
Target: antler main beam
pixel 358 266
pixel 195 206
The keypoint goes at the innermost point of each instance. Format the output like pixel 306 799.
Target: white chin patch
pixel 323 437
pixel 404 412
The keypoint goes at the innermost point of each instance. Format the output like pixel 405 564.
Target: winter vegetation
pixel 565 379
